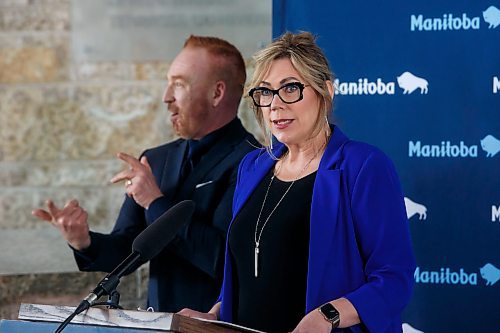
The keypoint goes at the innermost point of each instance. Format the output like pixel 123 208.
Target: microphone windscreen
pixel 159 233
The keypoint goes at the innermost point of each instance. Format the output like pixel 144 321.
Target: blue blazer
pixel 359 246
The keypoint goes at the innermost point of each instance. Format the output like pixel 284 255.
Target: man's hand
pixel 140 183
pixel 71 222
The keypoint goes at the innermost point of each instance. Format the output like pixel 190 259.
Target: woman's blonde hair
pixel 307 59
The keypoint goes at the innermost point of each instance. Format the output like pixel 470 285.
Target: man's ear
pixel 329 86
pixel 218 93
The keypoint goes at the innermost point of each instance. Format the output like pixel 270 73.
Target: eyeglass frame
pixel 276 92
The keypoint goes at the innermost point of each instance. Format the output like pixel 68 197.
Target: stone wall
pixel 61 124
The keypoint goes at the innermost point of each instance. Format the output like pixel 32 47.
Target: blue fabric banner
pixel 421 80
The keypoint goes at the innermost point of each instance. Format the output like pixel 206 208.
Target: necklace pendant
pixel 257 260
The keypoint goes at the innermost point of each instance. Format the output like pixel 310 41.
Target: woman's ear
pixel 219 91
pixel 329 86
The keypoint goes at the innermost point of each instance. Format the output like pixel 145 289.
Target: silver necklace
pixel 259 235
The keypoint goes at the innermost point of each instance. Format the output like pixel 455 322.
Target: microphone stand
pixel 144 247
pixel 112 302
pixel 107 286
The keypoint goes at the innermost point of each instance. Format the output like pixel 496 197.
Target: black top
pixel 275 300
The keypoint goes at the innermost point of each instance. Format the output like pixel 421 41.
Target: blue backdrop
pixel 420 80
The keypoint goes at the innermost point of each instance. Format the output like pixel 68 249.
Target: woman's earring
pixel 270 140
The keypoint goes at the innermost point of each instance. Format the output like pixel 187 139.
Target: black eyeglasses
pixel 289 93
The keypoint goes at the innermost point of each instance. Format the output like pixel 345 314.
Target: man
pixel 205 85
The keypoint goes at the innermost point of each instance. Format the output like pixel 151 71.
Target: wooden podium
pixel 46 318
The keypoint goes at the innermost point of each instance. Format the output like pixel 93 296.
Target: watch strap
pixel 330 314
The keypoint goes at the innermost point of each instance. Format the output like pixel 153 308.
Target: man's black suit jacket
pixel 188 272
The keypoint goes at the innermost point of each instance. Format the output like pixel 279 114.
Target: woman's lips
pixel 282 123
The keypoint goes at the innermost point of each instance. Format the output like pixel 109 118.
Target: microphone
pixel 145 246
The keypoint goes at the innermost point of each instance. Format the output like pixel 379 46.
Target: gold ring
pixel 128 182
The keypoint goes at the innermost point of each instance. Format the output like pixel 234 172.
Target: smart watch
pixel 330 314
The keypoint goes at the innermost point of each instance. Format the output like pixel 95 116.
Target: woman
pixel 319 239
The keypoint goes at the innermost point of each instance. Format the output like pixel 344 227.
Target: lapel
pixel 263 163
pixel 333 151
pixel 324 215
pixel 223 147
pixel 256 171
pixel 172 169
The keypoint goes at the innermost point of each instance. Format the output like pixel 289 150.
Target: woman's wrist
pixel 347 312
pixel 215 315
pixel 215 310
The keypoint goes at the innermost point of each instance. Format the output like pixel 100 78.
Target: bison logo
pixel 409 83
pixel 492 17
pixel 490 145
pixel 490 273
pixel 413 208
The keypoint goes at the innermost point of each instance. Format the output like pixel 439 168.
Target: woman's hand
pixel 197 314
pixel 313 322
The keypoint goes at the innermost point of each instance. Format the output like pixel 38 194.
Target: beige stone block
pixel 101 203
pixel 3 117
pixel 24 3
pixel 34 39
pixel 35 16
pixel 19 113
pixel 38 250
pixel 47 284
pixel 151 70
pixel 28 65
pixel 90 71
pixel 58 173
pixel 66 289
pixel 84 173
pixel 26 59
pixel 88 122
pixel 135 113
pixel 27 123
pixel 6 3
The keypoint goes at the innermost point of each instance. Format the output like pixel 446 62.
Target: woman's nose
pixel 276 102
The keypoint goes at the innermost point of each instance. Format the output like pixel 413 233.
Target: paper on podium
pixel 98 316
pixel 129 319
